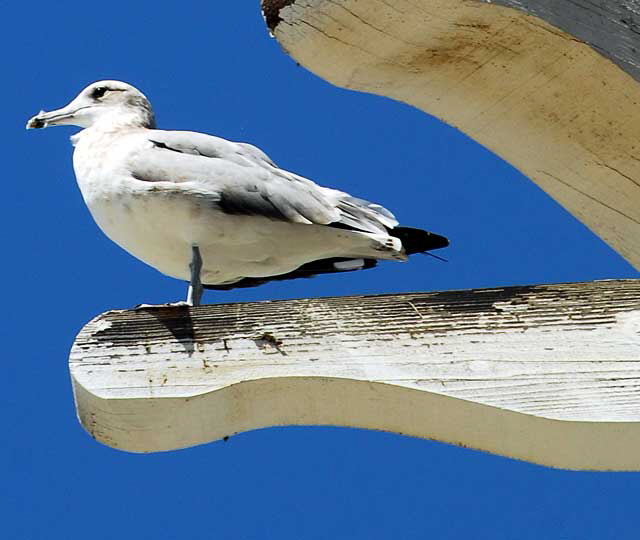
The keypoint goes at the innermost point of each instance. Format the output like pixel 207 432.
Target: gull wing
pixel 241 179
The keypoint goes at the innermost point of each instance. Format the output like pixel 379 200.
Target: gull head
pixel 107 103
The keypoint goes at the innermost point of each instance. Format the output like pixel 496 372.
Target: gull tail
pixel 418 241
pixel 404 241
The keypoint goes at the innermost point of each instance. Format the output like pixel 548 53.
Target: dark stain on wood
pixel 271 11
pixel 478 300
pixel 269 340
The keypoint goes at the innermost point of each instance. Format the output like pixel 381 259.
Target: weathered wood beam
pixel 548 374
pixel 552 86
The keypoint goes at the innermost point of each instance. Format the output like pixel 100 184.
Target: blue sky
pixel 213 68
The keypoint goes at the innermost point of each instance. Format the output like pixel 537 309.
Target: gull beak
pixel 59 117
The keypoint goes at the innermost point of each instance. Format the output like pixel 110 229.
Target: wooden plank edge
pixel 249 405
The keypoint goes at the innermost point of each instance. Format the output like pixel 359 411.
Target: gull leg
pixel 195 285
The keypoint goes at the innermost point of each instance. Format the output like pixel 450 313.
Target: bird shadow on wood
pixel 177 320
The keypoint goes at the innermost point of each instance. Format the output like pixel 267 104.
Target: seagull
pixel 216 213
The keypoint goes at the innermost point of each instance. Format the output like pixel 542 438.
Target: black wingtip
pixel 418 241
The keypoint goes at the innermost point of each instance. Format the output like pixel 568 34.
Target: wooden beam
pixel 552 86
pixel 548 373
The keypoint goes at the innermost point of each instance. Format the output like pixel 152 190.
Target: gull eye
pixel 98 92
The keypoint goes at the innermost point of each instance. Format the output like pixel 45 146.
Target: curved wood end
pixel 559 110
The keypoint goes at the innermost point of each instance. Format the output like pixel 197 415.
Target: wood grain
pixel 532 372
pixel 558 106
pixel 611 27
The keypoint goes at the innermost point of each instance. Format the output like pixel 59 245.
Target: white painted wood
pixel 547 102
pixel 549 374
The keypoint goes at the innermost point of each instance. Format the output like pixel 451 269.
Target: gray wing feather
pixel 200 144
pixel 238 178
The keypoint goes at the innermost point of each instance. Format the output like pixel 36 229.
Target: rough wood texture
pixel 543 99
pixel 549 374
pixel 611 27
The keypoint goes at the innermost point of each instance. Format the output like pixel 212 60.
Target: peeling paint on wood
pixel 489 361
pixel 553 104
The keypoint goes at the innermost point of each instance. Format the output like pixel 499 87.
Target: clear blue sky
pixel 211 66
